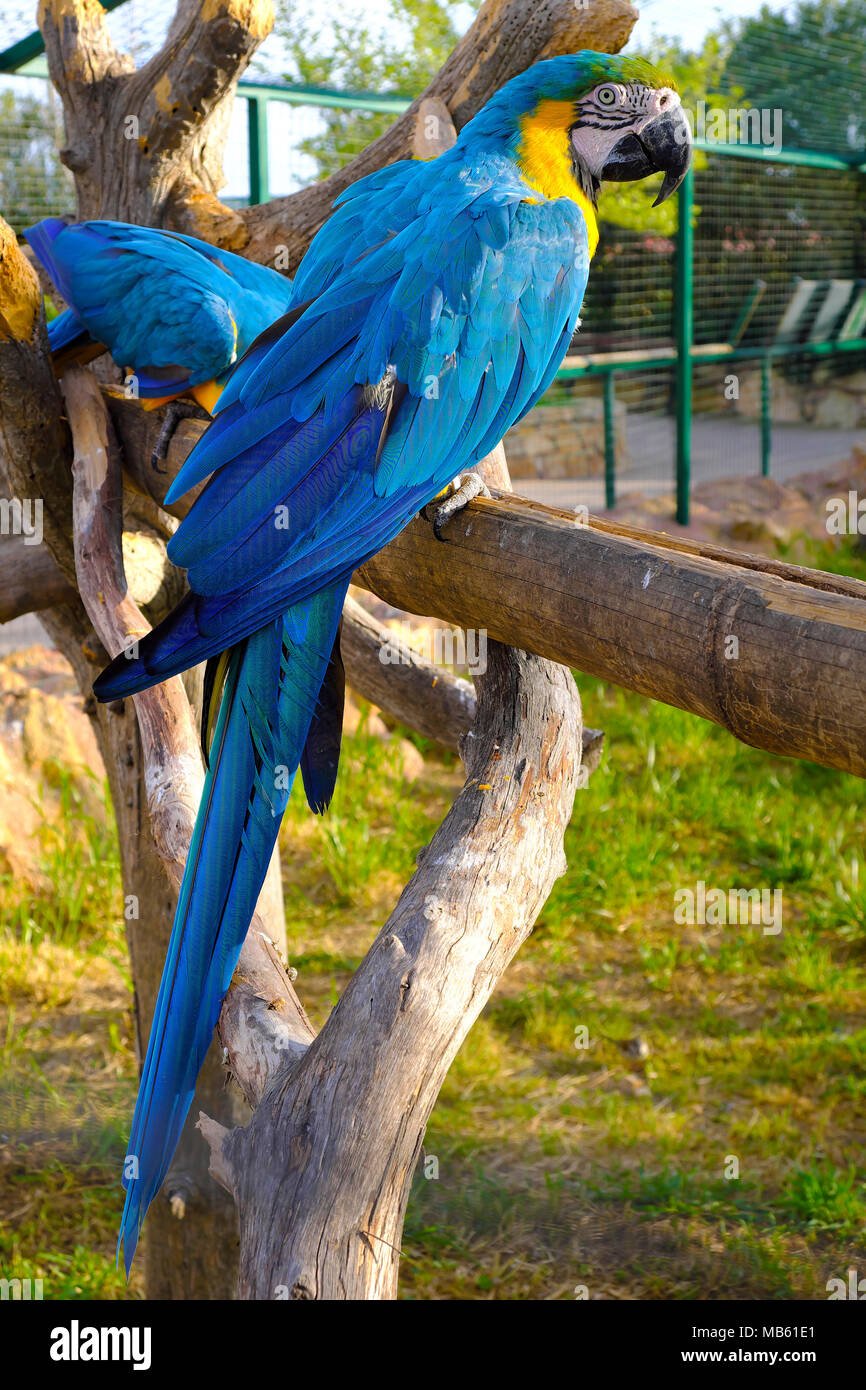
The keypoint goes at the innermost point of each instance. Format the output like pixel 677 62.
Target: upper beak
pixel 665 143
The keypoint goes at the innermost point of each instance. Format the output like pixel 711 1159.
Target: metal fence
pixel 680 346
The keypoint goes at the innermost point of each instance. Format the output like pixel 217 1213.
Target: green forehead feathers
pixel 628 69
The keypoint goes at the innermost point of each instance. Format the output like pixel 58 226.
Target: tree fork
pixel 321 1174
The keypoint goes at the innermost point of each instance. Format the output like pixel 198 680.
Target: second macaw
pixel 430 313
pixel 174 311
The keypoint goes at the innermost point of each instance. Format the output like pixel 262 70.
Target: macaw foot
pixel 462 491
pixel 175 411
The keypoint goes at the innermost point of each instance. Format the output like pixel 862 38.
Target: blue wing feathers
pixel 64 329
pixel 160 299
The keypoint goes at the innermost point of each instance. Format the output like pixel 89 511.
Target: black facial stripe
pixel 638 99
pixel 608 121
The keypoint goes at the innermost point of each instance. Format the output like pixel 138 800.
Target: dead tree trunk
pixel 146 146
pixel 351 1113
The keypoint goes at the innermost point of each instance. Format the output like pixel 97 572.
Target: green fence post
pixel 684 327
pixel 609 441
pixel 766 423
pixel 257 143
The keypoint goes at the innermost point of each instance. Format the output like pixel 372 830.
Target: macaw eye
pixel 607 96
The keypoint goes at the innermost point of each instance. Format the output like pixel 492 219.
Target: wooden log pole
pixel 774 653
pixel 772 657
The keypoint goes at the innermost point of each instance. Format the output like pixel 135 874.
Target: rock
pixel 45 736
pixel 835 402
pixel 754 513
pixel 565 441
pixel 409 760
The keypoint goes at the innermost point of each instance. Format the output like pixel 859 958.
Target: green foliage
pixel 79 858
pixel 826 1198
pixel 400 57
pixel 809 60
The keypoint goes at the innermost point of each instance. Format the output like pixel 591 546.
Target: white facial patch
pixel 601 125
pixel 594 144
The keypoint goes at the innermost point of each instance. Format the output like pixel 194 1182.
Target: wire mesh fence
pixel 33 182
pixel 765 234
pixel 774 241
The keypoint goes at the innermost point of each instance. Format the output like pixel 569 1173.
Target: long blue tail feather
pixel 269 701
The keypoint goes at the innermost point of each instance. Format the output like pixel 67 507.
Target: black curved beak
pixel 663 144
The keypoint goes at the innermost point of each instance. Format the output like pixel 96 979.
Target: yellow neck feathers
pixel 545 160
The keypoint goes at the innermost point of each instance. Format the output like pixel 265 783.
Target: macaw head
pixel 589 117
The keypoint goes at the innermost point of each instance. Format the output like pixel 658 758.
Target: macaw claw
pixel 175 412
pixel 464 490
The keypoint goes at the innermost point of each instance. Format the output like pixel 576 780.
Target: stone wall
pixel 564 441
pixel 827 399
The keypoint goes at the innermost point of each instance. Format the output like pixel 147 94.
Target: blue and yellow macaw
pixel 172 310
pixel 430 313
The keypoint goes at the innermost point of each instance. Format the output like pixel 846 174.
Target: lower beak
pixel 663 144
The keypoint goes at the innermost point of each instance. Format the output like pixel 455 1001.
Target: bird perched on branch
pixel 430 313
pixel 173 311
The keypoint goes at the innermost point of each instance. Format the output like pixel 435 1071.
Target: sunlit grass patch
pixel 585 1130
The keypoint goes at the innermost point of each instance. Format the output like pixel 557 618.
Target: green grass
pixel 719 1157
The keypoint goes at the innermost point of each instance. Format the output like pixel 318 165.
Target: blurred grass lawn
pixel 558 1166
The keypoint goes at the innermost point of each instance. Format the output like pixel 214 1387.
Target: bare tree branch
pixel 422 695
pixel 207 48
pixel 172 766
pixel 504 39
pixel 172 763
pixel 78 44
pixel 352 1112
pixel 29 579
pixel 141 141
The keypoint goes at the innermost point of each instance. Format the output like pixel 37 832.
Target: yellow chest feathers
pixel 545 159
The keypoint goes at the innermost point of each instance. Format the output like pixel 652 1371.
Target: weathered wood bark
pixel 29 579
pixel 778 661
pixel 505 38
pixel 327 1224
pixel 33 438
pixel 651 612
pixel 141 141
